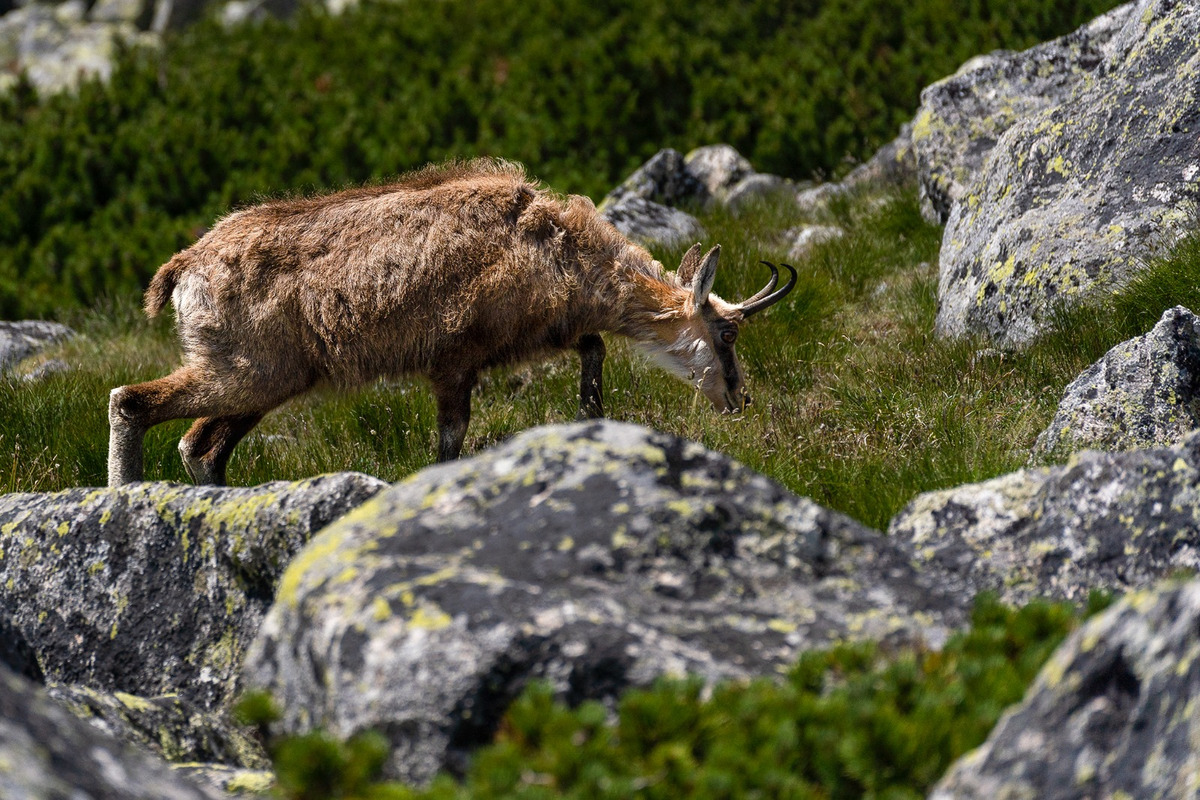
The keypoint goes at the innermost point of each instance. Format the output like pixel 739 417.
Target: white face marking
pixel 687 358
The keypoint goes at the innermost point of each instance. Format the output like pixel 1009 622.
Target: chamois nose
pixel 735 402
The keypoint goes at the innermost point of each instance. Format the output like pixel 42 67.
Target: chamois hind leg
pixel 186 392
pixel 207 445
pixel 453 395
pixel 591 376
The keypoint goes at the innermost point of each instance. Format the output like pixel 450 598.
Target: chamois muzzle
pixel 767 296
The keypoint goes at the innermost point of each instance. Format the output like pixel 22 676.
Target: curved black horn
pixel 760 301
pixel 766 290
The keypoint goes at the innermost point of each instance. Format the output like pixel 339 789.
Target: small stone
pixel 808 237
pixel 664 180
pixel 753 187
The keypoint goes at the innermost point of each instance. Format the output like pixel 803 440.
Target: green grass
pixel 854 721
pixel 856 404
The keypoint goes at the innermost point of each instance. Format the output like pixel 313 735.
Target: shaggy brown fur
pixel 443 273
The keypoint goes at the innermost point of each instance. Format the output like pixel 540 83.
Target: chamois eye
pixel 729 335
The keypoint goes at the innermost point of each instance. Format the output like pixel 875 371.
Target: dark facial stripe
pixel 729 367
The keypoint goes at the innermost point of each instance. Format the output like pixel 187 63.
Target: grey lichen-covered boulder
pixel 168 726
pixel 1116 521
pixel 20 340
pixel 653 224
pixel 597 556
pixel 963 116
pixel 48 754
pixel 1112 714
pixel 665 179
pixel 1070 199
pixel 156 588
pixel 1143 393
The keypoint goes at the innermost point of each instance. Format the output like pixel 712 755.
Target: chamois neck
pixel 642 294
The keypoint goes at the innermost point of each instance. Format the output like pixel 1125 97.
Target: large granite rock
pixel 1143 393
pixel 1112 714
pixel 20 340
pixel 963 116
pixel 234 781
pixel 1070 199
pixel 597 556
pixel 15 653
pixel 891 165
pixel 156 588
pixel 48 754
pixel 1117 521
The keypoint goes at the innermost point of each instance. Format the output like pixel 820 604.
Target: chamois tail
pixel 163 284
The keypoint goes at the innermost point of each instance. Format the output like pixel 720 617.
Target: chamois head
pixel 695 339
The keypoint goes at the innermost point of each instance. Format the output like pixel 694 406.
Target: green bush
pixel 99 187
pixel 855 721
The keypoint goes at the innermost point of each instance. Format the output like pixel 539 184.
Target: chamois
pixel 443 273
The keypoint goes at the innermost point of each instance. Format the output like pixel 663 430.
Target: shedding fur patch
pixel 191 296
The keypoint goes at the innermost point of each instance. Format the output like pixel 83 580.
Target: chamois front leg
pixel 453 395
pixel 591 376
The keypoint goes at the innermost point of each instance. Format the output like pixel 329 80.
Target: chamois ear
pixel 688 266
pixel 705 275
